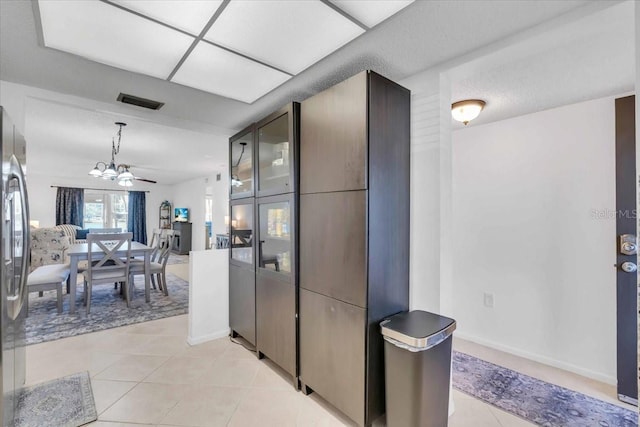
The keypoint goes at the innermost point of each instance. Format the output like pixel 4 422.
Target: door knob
pixel 629 267
pixel 628 244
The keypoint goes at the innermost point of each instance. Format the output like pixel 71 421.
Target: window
pixel 104 209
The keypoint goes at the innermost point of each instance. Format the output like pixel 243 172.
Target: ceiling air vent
pixel 140 102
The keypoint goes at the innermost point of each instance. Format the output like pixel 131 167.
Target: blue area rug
pixel 534 400
pixel 63 402
pixel 108 310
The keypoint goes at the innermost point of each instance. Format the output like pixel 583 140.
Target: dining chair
pixel 109 266
pixel 158 241
pixel 105 230
pixel 158 264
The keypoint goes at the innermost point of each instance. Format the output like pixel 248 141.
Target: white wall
pixel 219 191
pixel 524 193
pixel 208 295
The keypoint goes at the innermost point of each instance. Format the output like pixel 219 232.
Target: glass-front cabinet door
pixel 276 233
pixel 241 226
pixel 241 161
pixel 276 139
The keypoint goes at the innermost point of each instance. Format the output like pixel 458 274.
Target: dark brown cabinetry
pixel 242 274
pixel 354 237
pixel 263 276
pixel 182 238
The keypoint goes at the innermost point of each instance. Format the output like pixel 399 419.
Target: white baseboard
pixel 540 359
pixel 210 337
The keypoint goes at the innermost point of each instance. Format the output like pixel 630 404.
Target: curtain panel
pixel 69 206
pixel 137 217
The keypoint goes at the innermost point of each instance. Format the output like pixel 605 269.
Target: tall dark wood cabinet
pixel 276 271
pixel 353 236
pixel 271 202
pixel 242 272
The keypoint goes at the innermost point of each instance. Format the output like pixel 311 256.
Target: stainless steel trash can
pixel 417 352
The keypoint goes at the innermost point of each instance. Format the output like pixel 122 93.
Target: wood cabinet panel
pixel 332 349
pixel 276 320
pixel 242 302
pixel 333 138
pixel 333 245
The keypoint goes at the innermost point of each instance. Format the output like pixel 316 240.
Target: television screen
pixel 181 215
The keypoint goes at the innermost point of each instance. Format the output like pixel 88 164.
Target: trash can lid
pixel 418 329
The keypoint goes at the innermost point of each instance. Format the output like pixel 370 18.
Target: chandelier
pixel 113 172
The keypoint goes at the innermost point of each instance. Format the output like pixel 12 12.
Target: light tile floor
pixel 146 374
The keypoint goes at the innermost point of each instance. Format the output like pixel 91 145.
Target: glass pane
pixel 273 150
pixel 275 237
pixel 242 164
pixel 119 211
pixel 242 233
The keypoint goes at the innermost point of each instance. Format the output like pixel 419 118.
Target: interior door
pixel 627 275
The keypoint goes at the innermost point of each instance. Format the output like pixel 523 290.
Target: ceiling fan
pixel 120 172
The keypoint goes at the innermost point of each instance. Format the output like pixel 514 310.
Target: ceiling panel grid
pixel 240 49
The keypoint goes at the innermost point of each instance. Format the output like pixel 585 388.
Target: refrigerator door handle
pixel 16 301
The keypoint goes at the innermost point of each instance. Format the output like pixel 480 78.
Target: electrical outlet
pixel 488 300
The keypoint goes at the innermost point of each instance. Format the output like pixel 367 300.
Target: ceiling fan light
pixel 467 110
pixel 125 182
pixel 235 181
pixel 95 172
pixel 110 172
pixel 126 175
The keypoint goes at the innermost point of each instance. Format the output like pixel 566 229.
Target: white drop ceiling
pixel 550 66
pixel 239 49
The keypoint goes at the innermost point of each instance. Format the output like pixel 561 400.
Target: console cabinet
pixel 182 238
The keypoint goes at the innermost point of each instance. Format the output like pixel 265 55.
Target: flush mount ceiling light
pixel 120 172
pixel 467 110
pixel 238 49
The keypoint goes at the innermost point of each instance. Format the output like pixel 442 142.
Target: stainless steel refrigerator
pixel 14 268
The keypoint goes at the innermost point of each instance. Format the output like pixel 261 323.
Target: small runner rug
pixel 534 400
pixel 64 402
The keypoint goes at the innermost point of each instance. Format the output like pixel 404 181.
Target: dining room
pixel 69 204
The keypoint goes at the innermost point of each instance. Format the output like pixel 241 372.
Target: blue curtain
pixel 137 218
pixel 69 206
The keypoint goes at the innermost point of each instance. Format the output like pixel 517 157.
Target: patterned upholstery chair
pixel 49 264
pixel 70 231
pixel 48 246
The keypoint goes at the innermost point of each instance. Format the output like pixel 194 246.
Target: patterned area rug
pixel 64 402
pixel 108 310
pixel 534 400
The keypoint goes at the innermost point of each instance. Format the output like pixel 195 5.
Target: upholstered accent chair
pixel 70 231
pixel 49 265
pixel 48 246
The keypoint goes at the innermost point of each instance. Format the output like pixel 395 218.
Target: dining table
pixel 80 251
